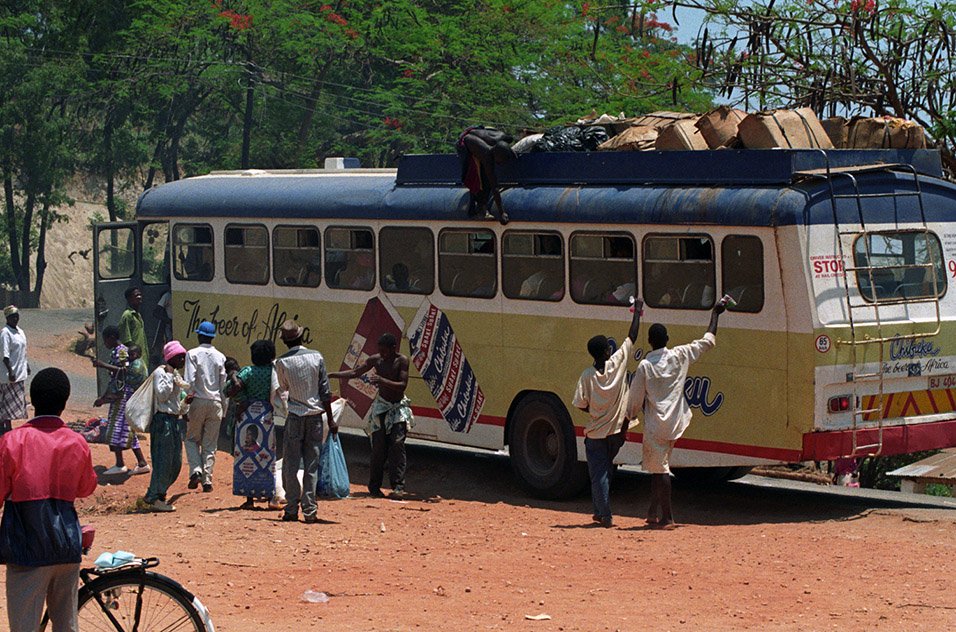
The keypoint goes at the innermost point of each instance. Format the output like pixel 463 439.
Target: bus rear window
pixel 466 263
pixel 603 268
pixel 350 258
pixel 247 254
pixel 193 252
pixel 901 265
pixel 679 272
pixel 532 266
pixel 407 260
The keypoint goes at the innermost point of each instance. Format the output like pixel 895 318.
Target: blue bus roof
pixel 729 187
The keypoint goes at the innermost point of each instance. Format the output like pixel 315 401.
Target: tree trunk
pixel 41 252
pixel 108 148
pixel 247 119
pixel 12 236
pixel 23 279
pixel 306 125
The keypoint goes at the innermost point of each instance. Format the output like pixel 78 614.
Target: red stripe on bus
pixel 886 407
pixel 932 401
pixel 825 446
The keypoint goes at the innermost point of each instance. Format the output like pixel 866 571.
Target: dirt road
pixel 471 552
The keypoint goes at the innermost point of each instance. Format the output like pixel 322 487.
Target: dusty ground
pixel 471 552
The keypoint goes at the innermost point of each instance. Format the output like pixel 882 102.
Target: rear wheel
pixel 543 449
pixel 738 472
pixel 165 605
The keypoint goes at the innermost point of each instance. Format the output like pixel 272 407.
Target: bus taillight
pixel 839 404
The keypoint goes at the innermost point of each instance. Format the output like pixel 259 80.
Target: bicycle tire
pixel 166 605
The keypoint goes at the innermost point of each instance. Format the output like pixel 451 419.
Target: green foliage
pixel 873 469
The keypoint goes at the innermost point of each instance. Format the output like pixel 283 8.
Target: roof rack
pixel 699 168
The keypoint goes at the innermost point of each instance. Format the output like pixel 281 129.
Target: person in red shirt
pixel 44 467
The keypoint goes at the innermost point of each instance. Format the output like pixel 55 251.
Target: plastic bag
pixel 333 472
pixel 139 406
pixel 594 136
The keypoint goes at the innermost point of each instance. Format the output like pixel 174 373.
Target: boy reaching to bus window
pixel 602 393
pixel 390 416
pixel 657 389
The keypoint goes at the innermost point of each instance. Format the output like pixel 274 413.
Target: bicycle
pixel 130 598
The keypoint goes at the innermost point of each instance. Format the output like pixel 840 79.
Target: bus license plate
pixel 942 381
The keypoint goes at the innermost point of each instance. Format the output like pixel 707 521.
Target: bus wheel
pixel 738 472
pixel 697 476
pixel 544 454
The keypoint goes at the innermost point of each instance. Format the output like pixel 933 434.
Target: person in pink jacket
pixel 44 467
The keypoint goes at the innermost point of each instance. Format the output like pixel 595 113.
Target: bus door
pixel 130 254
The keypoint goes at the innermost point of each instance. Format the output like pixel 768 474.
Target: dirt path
pixel 472 552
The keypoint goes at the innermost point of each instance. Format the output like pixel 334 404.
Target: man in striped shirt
pixel 301 372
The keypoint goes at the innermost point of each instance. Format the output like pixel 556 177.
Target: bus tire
pixel 701 476
pixel 543 449
pixel 738 472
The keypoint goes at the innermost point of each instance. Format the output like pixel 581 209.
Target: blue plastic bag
pixel 333 472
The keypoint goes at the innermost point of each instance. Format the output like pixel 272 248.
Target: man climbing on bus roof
pixel 390 416
pixel 602 393
pixel 657 389
pixel 479 150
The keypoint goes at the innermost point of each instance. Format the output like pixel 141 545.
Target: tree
pixel 883 57
pixel 35 150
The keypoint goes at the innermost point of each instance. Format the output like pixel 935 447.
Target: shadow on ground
pixel 440 472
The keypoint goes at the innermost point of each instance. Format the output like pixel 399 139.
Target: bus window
pixel 296 256
pixel 247 254
pixel 908 265
pixel 603 268
pixel 192 252
pixel 156 253
pixel 679 272
pixel 407 260
pixel 532 266
pixel 466 263
pixel 350 258
pixel 741 276
pixel 116 258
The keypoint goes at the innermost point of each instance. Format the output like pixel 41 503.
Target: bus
pixel 841 342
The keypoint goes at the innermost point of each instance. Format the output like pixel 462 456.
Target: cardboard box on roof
pixel 836 128
pixel 681 134
pixel 789 129
pixel 885 132
pixel 631 139
pixel 719 126
pixel 657 120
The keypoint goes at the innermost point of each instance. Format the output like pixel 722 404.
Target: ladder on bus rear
pixel 857 304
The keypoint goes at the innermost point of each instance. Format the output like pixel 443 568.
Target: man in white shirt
pixel 602 392
pixel 206 376
pixel 302 374
pixel 13 381
pixel 657 389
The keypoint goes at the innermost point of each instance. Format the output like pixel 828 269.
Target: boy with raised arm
pixel 390 416
pixel 657 388
pixel 602 393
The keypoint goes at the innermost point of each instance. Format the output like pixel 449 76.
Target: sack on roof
pixel 836 128
pixel 885 132
pixel 631 139
pixel 526 144
pixel 681 134
pixel 719 127
pixel 789 129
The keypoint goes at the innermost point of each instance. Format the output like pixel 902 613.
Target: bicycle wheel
pixel 165 605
